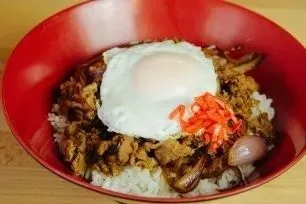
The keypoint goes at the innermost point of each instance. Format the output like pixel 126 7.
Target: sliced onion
pixel 191 179
pixel 247 149
pixel 248 65
pixel 238 57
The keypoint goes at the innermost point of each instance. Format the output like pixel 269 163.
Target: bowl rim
pixel 119 195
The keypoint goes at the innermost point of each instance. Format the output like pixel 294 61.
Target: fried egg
pixel 143 83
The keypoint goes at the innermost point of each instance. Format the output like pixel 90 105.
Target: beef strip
pixel 170 150
pixel 215 166
pixel 68 150
pixel 103 146
pixel 141 158
pixel 79 164
pixel 78 95
pixel 125 149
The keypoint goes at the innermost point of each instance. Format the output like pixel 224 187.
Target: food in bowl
pixel 164 119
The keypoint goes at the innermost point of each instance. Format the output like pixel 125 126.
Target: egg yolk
pixel 165 75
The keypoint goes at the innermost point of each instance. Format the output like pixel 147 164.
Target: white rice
pixel 264 105
pixel 137 181
pixel 134 180
pixel 59 124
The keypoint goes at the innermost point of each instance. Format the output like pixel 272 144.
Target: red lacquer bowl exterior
pixel 51 50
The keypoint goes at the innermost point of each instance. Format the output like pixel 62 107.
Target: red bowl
pixel 51 50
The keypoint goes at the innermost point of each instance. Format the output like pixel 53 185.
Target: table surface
pixel 23 180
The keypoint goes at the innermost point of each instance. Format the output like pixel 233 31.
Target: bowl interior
pixel 50 51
